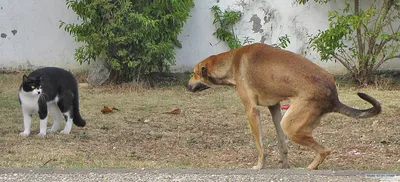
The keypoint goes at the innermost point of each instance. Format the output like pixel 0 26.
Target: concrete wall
pixel 262 20
pixel 38 41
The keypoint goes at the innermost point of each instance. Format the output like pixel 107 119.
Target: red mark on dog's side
pixel 285 106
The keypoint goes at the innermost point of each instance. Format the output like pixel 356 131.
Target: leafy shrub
pixel 135 37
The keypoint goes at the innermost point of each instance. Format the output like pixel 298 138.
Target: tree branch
pixel 378 27
pixel 358 32
pixel 387 5
pixel 380 46
pixel 347 56
pixel 384 60
pixel 344 63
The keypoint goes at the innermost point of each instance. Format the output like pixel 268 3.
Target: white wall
pixel 270 19
pixel 40 42
pixel 198 41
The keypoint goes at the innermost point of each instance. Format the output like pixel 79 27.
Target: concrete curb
pixel 203 175
pixel 204 171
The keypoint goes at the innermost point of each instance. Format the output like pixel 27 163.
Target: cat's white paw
pixel 24 134
pixel 64 132
pixel 41 134
pixel 51 131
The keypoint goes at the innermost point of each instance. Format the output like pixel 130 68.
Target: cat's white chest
pixel 29 102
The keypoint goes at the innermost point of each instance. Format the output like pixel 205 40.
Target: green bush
pixel 361 38
pixel 134 37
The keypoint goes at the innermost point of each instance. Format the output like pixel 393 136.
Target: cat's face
pixel 31 85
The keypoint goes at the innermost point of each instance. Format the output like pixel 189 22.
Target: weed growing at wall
pixel 284 41
pixel 224 21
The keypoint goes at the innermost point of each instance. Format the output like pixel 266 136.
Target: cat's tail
pixel 78 120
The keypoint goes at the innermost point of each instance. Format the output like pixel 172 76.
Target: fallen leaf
pixel 108 109
pixel 175 111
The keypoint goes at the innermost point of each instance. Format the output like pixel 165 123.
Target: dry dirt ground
pixel 210 132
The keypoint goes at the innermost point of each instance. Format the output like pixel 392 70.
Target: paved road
pixel 203 175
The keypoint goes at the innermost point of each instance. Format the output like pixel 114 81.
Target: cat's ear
pixel 39 77
pixel 25 78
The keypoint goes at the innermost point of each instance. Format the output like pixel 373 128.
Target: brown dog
pixel 264 76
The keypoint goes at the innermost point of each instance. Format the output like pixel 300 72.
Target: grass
pixel 210 132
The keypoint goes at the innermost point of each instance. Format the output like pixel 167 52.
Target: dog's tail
pixel 357 113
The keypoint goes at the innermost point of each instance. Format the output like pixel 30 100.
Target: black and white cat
pixel 50 90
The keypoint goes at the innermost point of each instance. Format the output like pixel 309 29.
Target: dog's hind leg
pixel 298 123
pixel 283 150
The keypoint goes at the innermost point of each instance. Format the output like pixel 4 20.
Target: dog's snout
pixel 197 88
pixel 189 87
pixel 38 92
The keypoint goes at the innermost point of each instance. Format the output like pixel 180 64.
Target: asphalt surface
pixel 203 175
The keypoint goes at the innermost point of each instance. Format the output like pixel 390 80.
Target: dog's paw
pixel 24 134
pixel 258 167
pixel 284 165
pixel 42 134
pixel 64 132
pixel 312 168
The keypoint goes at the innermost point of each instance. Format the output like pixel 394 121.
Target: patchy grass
pixel 210 132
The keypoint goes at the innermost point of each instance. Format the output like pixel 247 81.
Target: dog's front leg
pixel 283 150
pixel 255 126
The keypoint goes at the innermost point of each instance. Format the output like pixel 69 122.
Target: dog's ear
pixel 204 71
